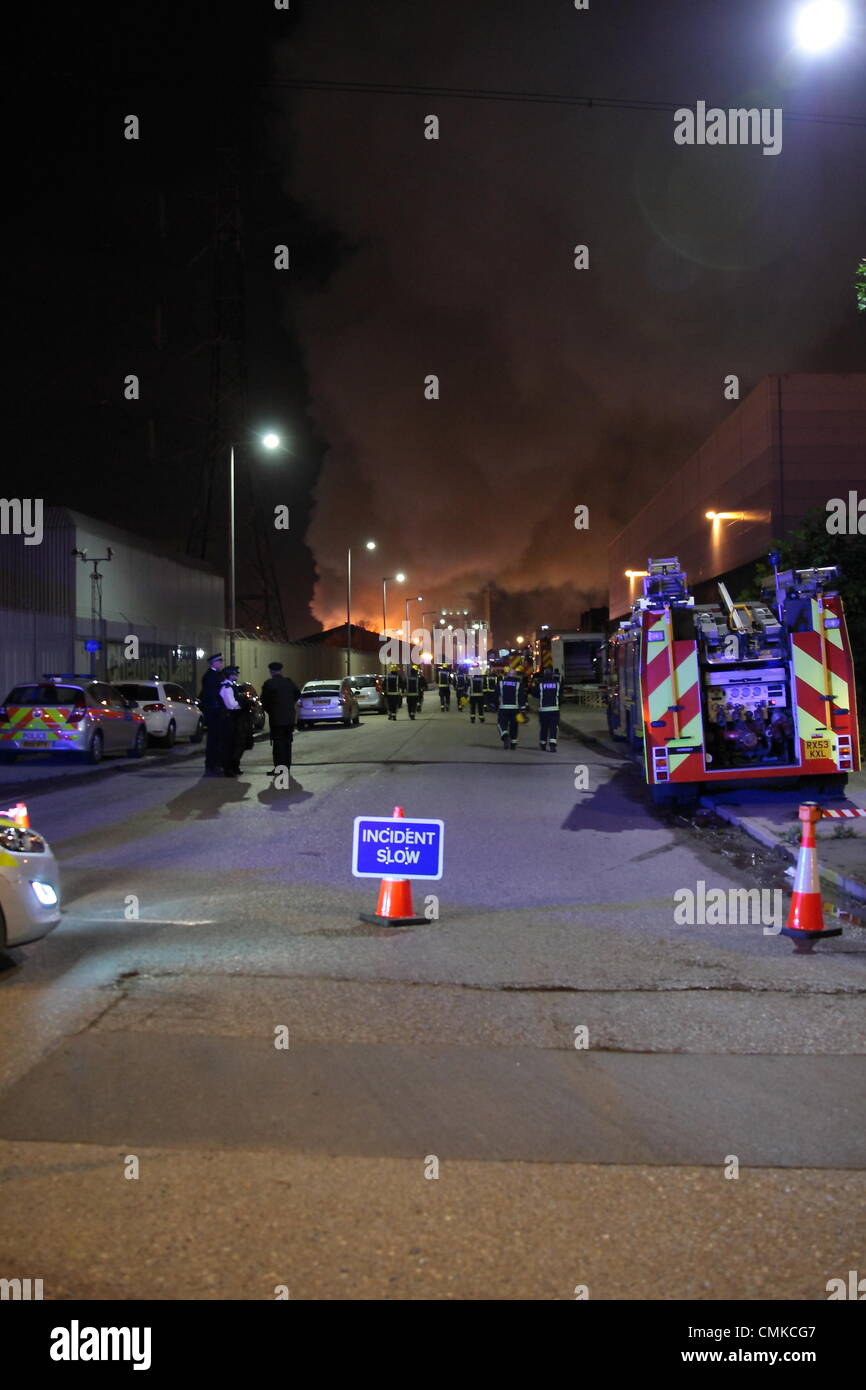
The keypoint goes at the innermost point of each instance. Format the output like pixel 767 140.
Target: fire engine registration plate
pixel 818 748
pixel 36 736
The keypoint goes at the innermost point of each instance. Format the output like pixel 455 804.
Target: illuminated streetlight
pixel 636 574
pixel 368 545
pixel 726 516
pixel 820 25
pixel 270 441
pixel 399 578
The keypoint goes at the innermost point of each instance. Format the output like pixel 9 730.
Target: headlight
pixel 21 841
pixel 46 895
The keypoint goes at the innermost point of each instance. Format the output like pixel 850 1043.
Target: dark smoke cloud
pixel 558 387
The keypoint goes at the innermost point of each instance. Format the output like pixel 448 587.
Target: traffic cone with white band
pixel 806 917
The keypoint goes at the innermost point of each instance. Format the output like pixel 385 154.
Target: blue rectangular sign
pixel 390 846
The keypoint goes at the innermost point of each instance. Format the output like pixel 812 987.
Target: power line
pixel 538 98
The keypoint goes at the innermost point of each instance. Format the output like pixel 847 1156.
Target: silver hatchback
pixel 328 702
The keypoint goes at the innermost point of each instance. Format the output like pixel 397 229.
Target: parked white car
pixel 29 885
pixel 169 711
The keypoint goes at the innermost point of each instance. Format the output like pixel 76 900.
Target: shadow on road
pixel 206 798
pixel 277 799
pixel 618 804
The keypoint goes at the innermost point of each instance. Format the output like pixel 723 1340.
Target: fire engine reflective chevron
pixel 672 708
pixel 826 702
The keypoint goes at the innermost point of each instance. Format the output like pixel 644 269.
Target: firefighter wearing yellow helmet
pixel 395 685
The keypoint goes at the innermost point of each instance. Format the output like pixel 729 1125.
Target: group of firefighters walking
pixel 506 695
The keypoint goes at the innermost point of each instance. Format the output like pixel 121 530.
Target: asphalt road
pixel 206 918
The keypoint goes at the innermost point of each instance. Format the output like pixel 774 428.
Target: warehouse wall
pixel 791 445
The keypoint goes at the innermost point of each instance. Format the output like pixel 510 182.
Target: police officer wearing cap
pixel 238 727
pixel 548 689
pixel 215 715
pixel 280 696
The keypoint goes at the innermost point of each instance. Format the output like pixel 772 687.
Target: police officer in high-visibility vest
pixel 548 688
pixel 415 687
pixel 395 684
pixel 443 685
pixel 490 685
pixel 477 697
pixel 512 700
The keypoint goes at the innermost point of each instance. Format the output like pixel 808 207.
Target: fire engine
pixel 721 694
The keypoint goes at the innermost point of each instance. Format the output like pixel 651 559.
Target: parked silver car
pixel 328 702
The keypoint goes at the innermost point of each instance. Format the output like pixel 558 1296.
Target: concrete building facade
pixel 794 443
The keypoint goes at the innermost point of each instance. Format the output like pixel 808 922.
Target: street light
pixel 369 545
pixel 820 25
pixel 399 578
pixel 726 516
pixel 270 441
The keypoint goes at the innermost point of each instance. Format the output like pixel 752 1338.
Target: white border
pixel 399 820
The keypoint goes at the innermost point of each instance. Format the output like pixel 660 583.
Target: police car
pixel 29 882
pixel 70 714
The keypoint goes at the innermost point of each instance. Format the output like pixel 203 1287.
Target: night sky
pixel 410 257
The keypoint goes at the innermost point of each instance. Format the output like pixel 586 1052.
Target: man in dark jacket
pixel 215 715
pixel 280 695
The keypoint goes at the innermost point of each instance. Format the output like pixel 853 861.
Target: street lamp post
pixel 270 441
pixel 371 545
pixel 399 578
pixel 418 599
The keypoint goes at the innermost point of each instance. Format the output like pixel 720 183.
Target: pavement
pixel 550 1083
pixel 770 816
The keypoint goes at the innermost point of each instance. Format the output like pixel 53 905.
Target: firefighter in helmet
pixel 512 701
pixel 444 678
pixel 415 687
pixel 395 685
pixel 461 686
pixel 548 688
pixel 477 696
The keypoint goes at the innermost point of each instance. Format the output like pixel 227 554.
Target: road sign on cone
pixel 806 917
pixel 394 908
pixel 18 813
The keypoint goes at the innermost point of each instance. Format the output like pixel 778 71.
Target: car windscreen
pixel 136 692
pixel 45 695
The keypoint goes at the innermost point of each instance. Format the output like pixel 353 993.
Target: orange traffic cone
pixel 806 917
pixel 394 908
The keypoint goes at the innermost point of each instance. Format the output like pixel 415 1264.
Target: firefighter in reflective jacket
pixel 512 700
pixel 477 696
pixel 490 688
pixel 443 683
pixel 461 685
pixel 547 690
pixel 415 687
pixel 395 684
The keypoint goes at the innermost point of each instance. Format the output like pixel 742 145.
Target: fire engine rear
pixel 722 693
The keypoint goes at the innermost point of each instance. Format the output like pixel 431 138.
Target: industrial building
pixel 794 443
